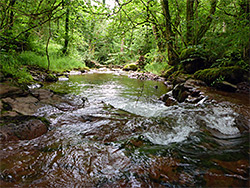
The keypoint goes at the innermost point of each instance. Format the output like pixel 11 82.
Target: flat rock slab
pixel 7 90
pixel 41 94
pixel 23 105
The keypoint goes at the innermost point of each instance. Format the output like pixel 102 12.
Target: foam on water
pixel 164 138
pixel 138 107
pixel 221 119
pixel 184 120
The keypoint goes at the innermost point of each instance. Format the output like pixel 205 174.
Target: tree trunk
pixel 66 38
pixel 160 43
pixel 47 45
pixel 122 44
pixel 12 3
pixel 245 13
pixel 190 22
pixel 170 36
pixel 204 28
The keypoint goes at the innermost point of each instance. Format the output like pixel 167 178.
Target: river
pixel 125 137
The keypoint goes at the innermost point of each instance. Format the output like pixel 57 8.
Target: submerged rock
pixel 22 127
pixel 171 101
pixel 168 99
pixel 41 94
pixel 225 86
pixel 243 87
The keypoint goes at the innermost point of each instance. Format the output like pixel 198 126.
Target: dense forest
pixel 124 93
pixel 209 39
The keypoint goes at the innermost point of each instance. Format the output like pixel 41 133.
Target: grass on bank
pixel 157 62
pixel 57 63
pixel 15 65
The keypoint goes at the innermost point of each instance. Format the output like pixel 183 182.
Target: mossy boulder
pixel 131 66
pixel 232 74
pixel 84 69
pixel 193 59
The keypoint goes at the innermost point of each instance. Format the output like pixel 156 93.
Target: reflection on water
pixel 125 137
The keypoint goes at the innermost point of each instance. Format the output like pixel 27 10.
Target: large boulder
pixel 22 127
pixel 180 92
pixel 232 74
pixel 184 92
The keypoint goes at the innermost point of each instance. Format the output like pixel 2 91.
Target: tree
pixel 20 18
pixel 170 36
pixel 66 37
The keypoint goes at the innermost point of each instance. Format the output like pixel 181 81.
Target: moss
pixel 44 120
pixel 85 69
pixel 233 74
pixel 131 66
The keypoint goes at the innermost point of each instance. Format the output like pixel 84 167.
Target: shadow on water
pixel 125 137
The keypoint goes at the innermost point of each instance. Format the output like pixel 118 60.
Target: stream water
pixel 125 137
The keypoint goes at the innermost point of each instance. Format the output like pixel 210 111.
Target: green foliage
pixel 218 80
pixel 169 72
pixel 156 67
pixel 196 51
pixel 58 63
pixel 123 34
pixel 11 67
pixel 156 62
pixel 231 58
pixel 118 58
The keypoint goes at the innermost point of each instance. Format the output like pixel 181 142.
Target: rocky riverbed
pixel 110 130
pixel 19 106
pixel 18 110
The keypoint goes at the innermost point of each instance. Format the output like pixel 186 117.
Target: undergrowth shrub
pixel 156 62
pixel 11 67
